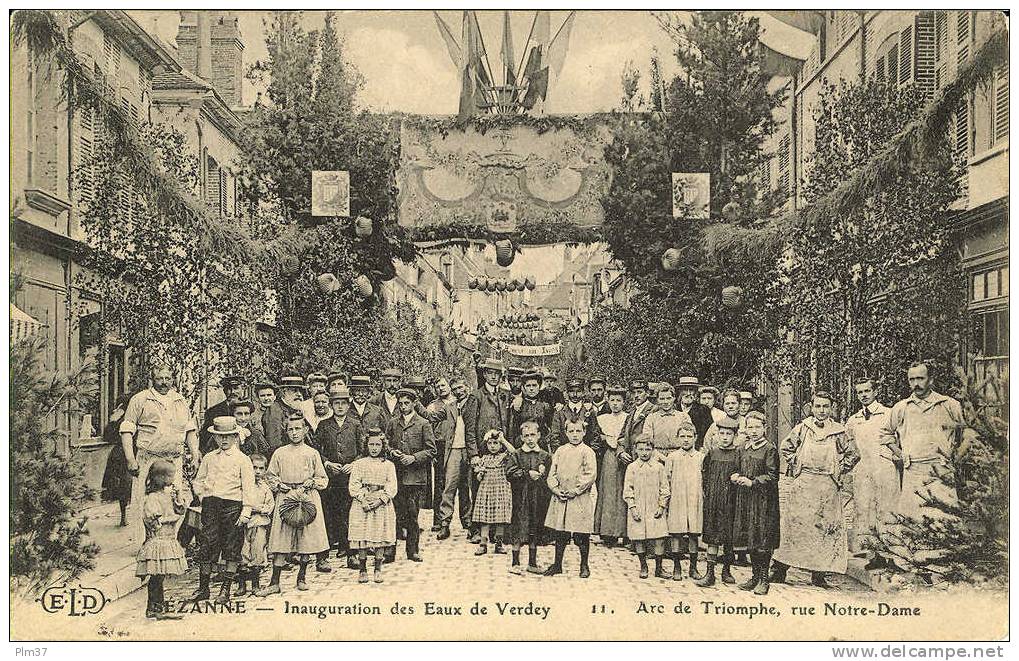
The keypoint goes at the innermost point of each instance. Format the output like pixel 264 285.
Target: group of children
pixel 257 512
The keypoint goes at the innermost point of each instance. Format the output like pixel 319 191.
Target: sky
pixel 407 67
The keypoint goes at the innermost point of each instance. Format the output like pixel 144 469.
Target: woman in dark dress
pixel 116 479
pixel 721 462
pixel 756 527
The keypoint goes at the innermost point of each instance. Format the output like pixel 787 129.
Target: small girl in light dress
pixel 493 504
pixel 161 555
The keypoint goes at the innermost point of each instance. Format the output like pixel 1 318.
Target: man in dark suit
pixel 640 407
pixel 596 388
pixel 412 449
pixel 527 406
pixel 442 413
pixel 369 415
pixel 487 408
pixel 385 399
pixel 290 395
pixel 234 390
pixel 550 393
pixel 687 392
pixel 576 408
pixel 340 439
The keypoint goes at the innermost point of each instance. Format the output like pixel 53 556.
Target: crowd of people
pixel 329 464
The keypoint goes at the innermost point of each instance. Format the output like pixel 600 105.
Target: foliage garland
pixel 917 142
pixel 527 233
pixel 43 33
pixel 582 125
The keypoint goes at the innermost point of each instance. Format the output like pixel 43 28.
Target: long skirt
pixel 610 510
pixel 813 529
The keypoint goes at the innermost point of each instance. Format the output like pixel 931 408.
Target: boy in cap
pixel 340 439
pixel 226 486
pixel 412 450
pixel 576 409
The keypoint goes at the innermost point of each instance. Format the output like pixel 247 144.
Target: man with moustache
pixel 386 400
pixel 487 408
pixel 455 462
pixel 576 409
pixel 369 415
pixel 340 439
pixel 442 413
pixel 527 406
pixel 596 389
pixel 234 390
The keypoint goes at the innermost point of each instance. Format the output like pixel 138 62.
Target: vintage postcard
pixel 509 324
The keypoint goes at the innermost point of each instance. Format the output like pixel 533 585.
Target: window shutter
pixel 222 192
pixel 85 169
pixel 879 70
pixel 941 48
pixel 925 62
pixel 906 56
pixel 212 191
pixel 1000 118
pixel 784 176
pixel 962 42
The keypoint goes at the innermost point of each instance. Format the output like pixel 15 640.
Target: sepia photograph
pixel 509 324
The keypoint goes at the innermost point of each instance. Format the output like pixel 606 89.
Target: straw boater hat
pixel 360 381
pixel 294 381
pixel 688 382
pixel 262 385
pixel 224 425
pixel 340 393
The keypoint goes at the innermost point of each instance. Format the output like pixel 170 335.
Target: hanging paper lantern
pixel 514 285
pixel 529 284
pixel 363 286
pixel 500 285
pixel 491 285
pixel 327 283
pixel 731 211
pixel 363 227
pixel 504 252
pixel 289 264
pixel 670 259
pixel 732 296
pixel 473 284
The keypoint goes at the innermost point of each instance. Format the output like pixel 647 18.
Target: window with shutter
pixel 1000 117
pixel 784 175
pixel 893 70
pixel 30 117
pixel 962 114
pixel 212 184
pixel 222 192
pixel 879 70
pixel 925 61
pixel 85 179
pixel 940 48
pixel 906 56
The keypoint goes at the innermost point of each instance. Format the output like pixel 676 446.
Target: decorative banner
pixel 691 195
pixel 330 193
pixel 541 350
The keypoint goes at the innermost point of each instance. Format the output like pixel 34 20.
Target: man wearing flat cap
pixel 291 391
pixel 514 377
pixel 576 409
pixel 339 439
pixel 550 393
pixel 412 449
pixel 487 408
pixel 638 411
pixel 234 390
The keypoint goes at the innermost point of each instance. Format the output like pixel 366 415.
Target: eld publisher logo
pixel 76 601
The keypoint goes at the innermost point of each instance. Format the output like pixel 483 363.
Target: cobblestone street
pixel 452 575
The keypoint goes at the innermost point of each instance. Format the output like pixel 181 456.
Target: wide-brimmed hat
pixel 492 364
pixel 360 381
pixel 532 374
pixel 342 392
pixel 224 425
pixel 295 381
pixel 688 382
pixel 232 381
pixel 391 372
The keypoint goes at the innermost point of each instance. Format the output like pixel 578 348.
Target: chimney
pixel 209 45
